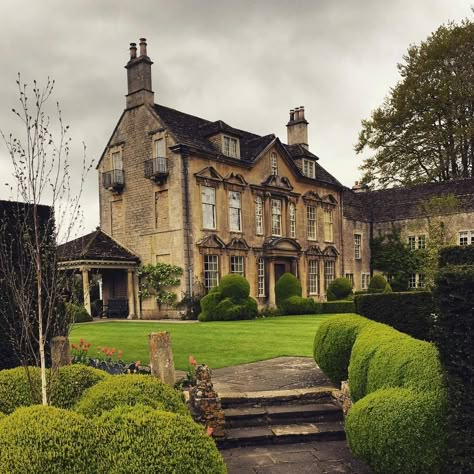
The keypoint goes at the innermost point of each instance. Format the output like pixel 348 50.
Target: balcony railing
pixel 113 179
pixel 156 169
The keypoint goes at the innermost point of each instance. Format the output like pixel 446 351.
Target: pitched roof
pixel 404 203
pixel 195 132
pixel 95 246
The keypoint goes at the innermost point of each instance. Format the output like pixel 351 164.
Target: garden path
pixel 274 375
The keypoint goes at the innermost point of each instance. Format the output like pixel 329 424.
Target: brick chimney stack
pixel 139 77
pixel 359 187
pixel 297 128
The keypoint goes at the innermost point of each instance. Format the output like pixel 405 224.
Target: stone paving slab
pixel 281 373
pixel 312 457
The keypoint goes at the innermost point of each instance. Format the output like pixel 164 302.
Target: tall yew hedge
pixel 454 336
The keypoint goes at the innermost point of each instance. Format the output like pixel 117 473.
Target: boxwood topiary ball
pixel 130 390
pixel 140 439
pixel 42 439
pixel 235 287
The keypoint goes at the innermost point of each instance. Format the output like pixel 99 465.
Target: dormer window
pixel 309 168
pixel 274 164
pixel 231 146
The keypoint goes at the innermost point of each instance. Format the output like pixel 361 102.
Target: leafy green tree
pixel 424 130
pixel 157 280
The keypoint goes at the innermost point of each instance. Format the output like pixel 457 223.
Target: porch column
pixel 137 298
pixel 294 267
pixel 131 294
pixel 271 284
pixel 86 289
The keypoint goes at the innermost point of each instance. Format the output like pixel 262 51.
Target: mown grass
pixel 218 344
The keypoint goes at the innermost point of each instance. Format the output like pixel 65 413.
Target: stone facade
pixel 212 199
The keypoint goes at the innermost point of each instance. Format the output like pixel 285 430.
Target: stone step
pixel 284 433
pixel 281 414
pixel 276 397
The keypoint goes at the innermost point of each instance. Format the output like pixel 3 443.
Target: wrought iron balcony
pixel 156 169
pixel 113 180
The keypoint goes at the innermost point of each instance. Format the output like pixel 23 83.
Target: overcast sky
pixel 245 62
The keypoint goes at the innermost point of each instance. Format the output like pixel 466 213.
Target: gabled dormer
pixel 224 138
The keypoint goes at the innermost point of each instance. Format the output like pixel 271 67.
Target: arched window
pixel 274 163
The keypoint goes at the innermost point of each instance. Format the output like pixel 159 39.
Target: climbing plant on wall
pixel 158 280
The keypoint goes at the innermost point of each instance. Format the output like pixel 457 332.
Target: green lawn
pixel 218 344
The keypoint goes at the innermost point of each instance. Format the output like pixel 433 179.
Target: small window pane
pixel 208 200
pixel 311 218
pixel 235 211
pixel 276 217
pixel 258 215
pixel 237 265
pixel 292 221
pixel 160 148
pixel 357 246
pixel 328 273
pixel 313 277
pixel 261 277
pixel 274 164
pixel 328 225
pixel 211 271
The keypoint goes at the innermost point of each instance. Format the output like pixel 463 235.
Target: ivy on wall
pixel 157 280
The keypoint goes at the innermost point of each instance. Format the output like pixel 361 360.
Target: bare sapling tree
pixel 48 212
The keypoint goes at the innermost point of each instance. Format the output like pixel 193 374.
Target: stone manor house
pixel 213 200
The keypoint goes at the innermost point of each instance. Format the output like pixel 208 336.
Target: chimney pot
pixel 302 113
pixel 133 50
pixel 143 47
pixel 357 183
pixel 292 115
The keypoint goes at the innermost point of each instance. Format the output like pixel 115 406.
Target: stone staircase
pixel 281 416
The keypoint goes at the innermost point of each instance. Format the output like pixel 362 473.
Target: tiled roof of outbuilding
pixel 195 132
pixel 404 203
pixel 95 246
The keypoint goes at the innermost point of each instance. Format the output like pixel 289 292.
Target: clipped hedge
pixel 140 439
pixel 42 439
pixel 409 312
pixel 299 305
pixel 385 358
pixel 69 383
pixel 22 388
pixel 334 307
pixel 130 390
pixel 229 301
pixel 339 289
pixel 77 313
pixel 377 284
pixel 397 430
pixel 456 255
pixel 397 423
pixel 286 287
pixel 333 344
pixel 15 389
pixel 454 336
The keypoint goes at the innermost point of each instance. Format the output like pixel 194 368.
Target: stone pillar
pixel 271 284
pixel 86 289
pixel 137 298
pixel 161 357
pixel 205 404
pixel 60 352
pixel 131 294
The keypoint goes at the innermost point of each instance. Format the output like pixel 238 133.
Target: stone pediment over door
pixel 280 182
pixel 209 177
pixel 281 246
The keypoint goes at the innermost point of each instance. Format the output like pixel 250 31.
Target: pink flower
pixel 192 361
pixel 209 430
pixel 119 354
pixel 137 363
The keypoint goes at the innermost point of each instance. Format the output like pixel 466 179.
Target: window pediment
pixel 235 179
pixel 238 244
pixel 314 250
pixel 278 182
pixel 311 197
pixel 209 177
pixel 211 241
pixel 330 251
pixel 329 199
pixel 281 243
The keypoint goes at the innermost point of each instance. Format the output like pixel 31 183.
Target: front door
pixel 280 268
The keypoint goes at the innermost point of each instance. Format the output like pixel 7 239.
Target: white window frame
pixel 350 277
pixel 274 164
pixel 412 281
pixel 211 271
pixel 328 225
pixel 292 218
pixel 259 215
pixel 237 265
pixel 357 246
pixel 421 242
pixel 309 168
pixel 261 277
pixel 468 235
pixel 329 276
pixel 313 277
pixel 411 240
pixel 235 211
pixel 208 207
pixel 117 160
pixel 230 146
pixel 311 222
pixel 276 217
pixel 364 281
